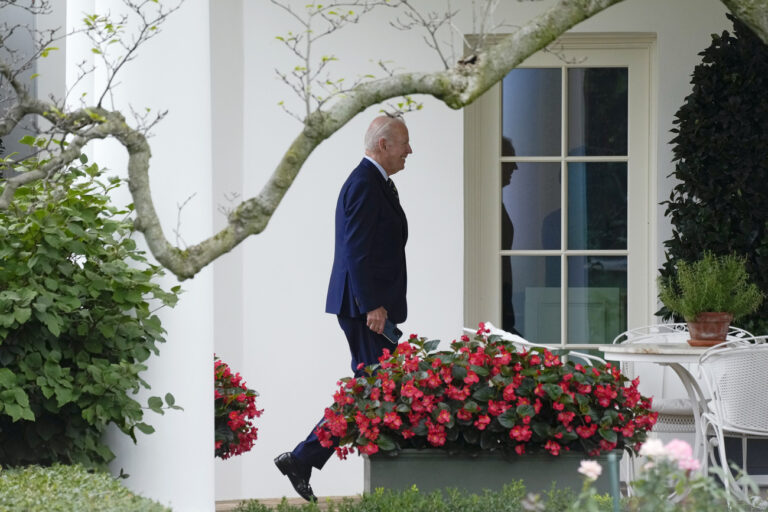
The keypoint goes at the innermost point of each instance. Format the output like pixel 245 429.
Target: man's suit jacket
pixel 369 260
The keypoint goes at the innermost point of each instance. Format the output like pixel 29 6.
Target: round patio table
pixel 673 355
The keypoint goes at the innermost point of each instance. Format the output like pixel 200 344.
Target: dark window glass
pixel 597 111
pixel 531 112
pixel 597 205
pixel 531 297
pixel 597 298
pixel 530 215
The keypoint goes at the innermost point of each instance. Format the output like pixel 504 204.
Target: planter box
pixel 434 469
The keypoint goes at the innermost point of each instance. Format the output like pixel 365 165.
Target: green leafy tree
pixel 76 321
pixel 721 164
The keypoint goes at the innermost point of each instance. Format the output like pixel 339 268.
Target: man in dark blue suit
pixel 368 279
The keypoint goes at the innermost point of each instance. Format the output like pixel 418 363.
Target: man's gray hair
pixel 381 127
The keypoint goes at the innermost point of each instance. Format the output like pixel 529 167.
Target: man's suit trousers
pixel 365 346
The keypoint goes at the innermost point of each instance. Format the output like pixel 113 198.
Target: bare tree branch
pixel 177 231
pixel 110 123
pixel 432 22
pixel 456 86
pixel 303 79
pixel 104 32
pixel 34 7
pixel 229 198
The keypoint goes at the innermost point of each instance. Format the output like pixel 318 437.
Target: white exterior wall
pixel 293 352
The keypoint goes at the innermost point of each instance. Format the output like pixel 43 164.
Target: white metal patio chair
pixel 734 376
pixel 676 417
pixel 676 413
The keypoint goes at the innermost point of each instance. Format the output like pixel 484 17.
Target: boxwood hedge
pixel 62 488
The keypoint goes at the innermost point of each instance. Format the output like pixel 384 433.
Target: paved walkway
pixel 226 506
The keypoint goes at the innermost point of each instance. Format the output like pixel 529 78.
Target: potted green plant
pixel 709 294
pixel 481 414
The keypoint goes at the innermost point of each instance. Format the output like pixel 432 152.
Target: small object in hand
pixel 391 332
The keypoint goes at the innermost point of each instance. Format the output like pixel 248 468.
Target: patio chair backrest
pixel 669 333
pixel 662 382
pixel 736 378
pixel 657 333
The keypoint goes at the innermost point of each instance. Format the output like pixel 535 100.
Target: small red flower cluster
pixel 483 394
pixel 234 409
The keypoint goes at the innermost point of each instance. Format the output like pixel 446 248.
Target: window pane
pixel 597 298
pixel 597 111
pixel 531 115
pixel 597 205
pixel 530 297
pixel 530 216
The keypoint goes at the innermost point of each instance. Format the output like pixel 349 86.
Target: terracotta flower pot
pixel 709 329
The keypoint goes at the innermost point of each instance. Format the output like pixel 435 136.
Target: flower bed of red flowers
pixel 234 410
pixel 483 395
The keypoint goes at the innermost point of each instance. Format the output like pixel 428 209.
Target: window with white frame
pixel 557 181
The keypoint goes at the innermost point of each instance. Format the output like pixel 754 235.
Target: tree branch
pixel 754 14
pixel 115 123
pixel 457 87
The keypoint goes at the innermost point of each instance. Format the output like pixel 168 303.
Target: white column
pixel 174 465
pixel 227 94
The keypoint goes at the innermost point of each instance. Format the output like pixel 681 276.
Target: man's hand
pixel 376 318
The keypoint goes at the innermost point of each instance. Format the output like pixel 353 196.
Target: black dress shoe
pixel 297 472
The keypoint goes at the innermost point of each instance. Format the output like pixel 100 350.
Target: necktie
pixel 393 187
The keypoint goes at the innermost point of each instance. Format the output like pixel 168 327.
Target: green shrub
pixel 63 488
pixel 719 150
pixel 669 482
pixel 512 498
pixel 75 321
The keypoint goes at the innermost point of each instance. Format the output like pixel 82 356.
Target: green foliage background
pixel 722 162
pixel 76 321
pixel 61 488
pixel 512 498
